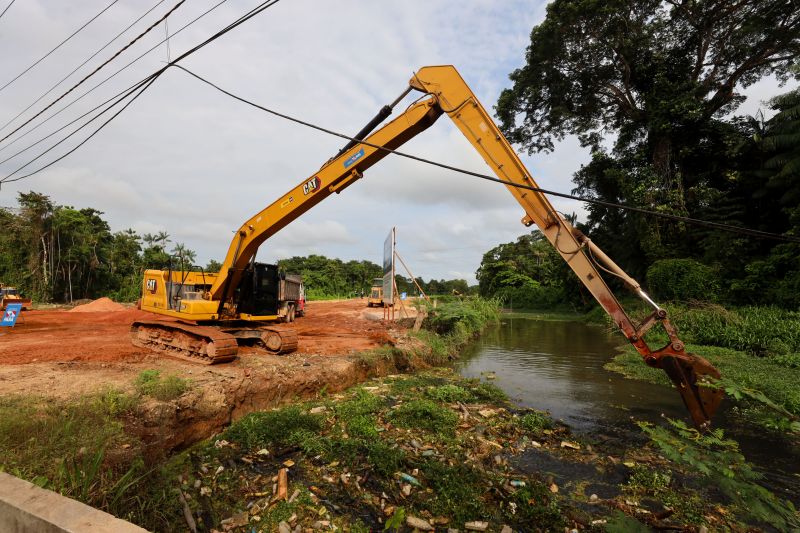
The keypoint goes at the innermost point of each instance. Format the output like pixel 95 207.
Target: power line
pixel 142 87
pixel 144 84
pixel 59 82
pixel 7 7
pixel 76 32
pixel 193 21
pixel 96 70
pixel 687 220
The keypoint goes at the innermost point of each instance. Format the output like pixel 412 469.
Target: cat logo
pixel 311 185
pixel 151 285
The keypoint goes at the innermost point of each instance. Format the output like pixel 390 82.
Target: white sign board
pixel 388 268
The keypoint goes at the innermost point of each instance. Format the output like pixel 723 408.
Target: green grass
pixel 151 383
pixel 78 448
pixel 758 331
pixel 425 415
pixel 457 491
pixel 535 421
pixel 283 427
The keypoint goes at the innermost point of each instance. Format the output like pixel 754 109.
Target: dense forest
pixel 651 88
pixel 57 253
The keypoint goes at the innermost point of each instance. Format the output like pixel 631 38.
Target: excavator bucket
pixel 688 371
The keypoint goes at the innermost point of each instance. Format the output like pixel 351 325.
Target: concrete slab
pixel 26 508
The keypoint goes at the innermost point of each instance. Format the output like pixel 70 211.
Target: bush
pixel 760 331
pixel 462 318
pixel 284 427
pixel 681 280
pixel 150 383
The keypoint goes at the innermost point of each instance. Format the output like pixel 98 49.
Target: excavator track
pixel 198 344
pixel 279 339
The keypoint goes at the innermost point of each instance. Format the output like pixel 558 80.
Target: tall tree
pixel 660 78
pixel 647 69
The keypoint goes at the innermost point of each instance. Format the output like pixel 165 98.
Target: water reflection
pixel 558 366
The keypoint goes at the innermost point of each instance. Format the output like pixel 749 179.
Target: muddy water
pixel 558 366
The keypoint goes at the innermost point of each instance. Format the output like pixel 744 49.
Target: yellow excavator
pixel 215 311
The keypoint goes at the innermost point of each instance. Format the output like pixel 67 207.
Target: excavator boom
pixel 445 92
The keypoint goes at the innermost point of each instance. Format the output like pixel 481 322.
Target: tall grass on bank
pixel 758 331
pixel 451 324
pixel 78 448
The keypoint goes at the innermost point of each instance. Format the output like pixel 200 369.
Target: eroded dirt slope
pixel 63 354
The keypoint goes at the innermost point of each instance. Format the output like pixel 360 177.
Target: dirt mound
pixel 101 305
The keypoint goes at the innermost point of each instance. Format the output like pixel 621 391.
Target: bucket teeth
pixel 688 372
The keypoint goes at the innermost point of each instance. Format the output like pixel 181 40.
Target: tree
pixel 186 257
pixel 213 266
pixel 649 70
pixel 781 141
pixel 662 77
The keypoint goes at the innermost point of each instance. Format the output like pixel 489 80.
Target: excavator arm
pixel 447 93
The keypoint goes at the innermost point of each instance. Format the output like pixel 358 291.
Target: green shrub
pixel 150 383
pixel 760 331
pixel 535 421
pixel 531 297
pixel 462 318
pixel 681 280
pixel 284 427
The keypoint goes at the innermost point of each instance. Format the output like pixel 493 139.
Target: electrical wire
pixel 59 45
pixel 96 70
pixel 62 80
pixel 594 201
pixel 7 7
pixel 143 88
pixel 81 97
pixel 144 84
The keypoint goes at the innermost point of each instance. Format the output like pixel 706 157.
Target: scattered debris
pixel 283 484
pixel 418 523
pixel 355 461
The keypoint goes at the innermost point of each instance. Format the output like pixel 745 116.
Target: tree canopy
pixel 649 68
pixel 660 82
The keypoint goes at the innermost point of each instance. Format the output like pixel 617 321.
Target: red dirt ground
pixel 329 328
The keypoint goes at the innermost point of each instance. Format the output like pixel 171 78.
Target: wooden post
pixel 412 276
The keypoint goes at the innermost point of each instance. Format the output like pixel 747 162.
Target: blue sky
pixel 190 161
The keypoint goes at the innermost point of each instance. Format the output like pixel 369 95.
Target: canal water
pixel 558 366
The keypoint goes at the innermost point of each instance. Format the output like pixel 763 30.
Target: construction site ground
pixel 67 353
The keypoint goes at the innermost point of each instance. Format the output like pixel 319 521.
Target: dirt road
pixel 329 328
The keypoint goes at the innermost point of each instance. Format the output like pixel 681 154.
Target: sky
pixel 188 160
